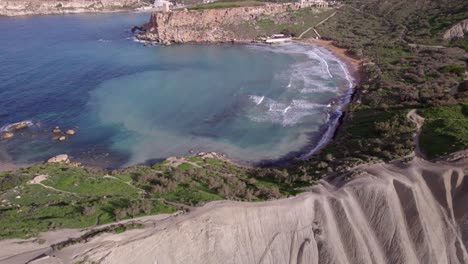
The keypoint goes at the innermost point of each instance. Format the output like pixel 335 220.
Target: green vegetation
pixel 226 4
pixel 76 197
pixel 366 136
pixel 293 22
pixel 400 75
pixel 445 129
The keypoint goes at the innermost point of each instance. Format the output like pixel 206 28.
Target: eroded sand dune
pixel 400 213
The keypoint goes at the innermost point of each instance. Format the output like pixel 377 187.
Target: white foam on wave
pixel 140 41
pixel 257 99
pixel 8 127
pixel 286 114
pixel 323 62
pixel 308 77
pixel 104 40
pixel 304 104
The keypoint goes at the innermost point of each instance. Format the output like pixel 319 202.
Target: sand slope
pixel 399 213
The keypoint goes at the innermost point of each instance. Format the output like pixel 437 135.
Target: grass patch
pixel 445 130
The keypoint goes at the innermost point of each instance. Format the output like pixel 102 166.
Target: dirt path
pixel 54 189
pixel 413 45
pixel 419 121
pixel 128 183
pixel 320 23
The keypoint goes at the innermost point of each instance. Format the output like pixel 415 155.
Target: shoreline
pixel 10 166
pixel 340 53
pixel 329 129
pixel 353 67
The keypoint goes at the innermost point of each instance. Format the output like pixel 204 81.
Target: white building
pixel 162 4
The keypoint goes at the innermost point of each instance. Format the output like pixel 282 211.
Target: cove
pixel 132 104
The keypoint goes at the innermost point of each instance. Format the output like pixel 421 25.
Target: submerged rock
pixel 62 158
pixel 7 135
pixel 70 132
pixel 57 130
pixel 62 138
pixel 19 126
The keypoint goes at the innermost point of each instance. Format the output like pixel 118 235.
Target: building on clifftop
pixel 162 4
pixel 315 3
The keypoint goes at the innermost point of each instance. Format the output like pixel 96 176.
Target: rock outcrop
pixel 457 31
pixel 39 7
pixel 213 25
pixel 383 213
pixel 62 158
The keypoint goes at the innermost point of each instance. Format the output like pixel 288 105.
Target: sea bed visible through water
pixel 132 104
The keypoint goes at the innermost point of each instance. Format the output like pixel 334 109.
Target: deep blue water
pixel 130 103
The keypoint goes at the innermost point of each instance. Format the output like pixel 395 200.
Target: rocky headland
pixel 242 24
pixel 35 7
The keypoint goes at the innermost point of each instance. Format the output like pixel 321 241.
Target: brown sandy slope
pixel 385 213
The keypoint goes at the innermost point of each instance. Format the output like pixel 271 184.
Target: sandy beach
pixel 354 65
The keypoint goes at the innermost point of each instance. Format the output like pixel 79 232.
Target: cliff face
pixel 38 7
pixel 214 25
pixel 384 213
pixel 388 214
pixel 457 31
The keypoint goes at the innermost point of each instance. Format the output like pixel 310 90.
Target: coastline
pixel 10 166
pixel 353 67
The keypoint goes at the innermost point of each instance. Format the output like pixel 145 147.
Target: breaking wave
pixel 318 74
pixel 281 113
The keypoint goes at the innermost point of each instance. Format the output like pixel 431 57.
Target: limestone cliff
pixel 213 25
pixel 38 7
pixel 382 213
pixel 457 31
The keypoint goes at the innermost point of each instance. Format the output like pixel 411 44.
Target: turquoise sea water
pixel 131 104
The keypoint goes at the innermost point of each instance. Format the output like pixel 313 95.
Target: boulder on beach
pixel 7 135
pixel 70 132
pixel 62 158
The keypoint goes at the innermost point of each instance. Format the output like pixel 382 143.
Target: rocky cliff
pixel 457 31
pixel 213 25
pixel 38 7
pixel 383 213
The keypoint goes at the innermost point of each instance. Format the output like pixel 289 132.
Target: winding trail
pixel 40 178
